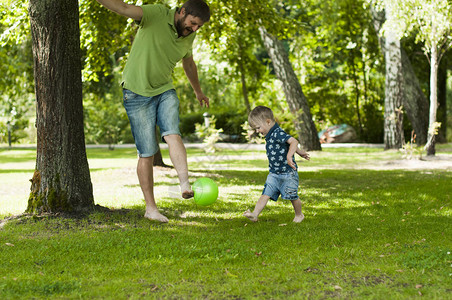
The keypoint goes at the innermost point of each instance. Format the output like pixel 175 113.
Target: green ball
pixel 206 191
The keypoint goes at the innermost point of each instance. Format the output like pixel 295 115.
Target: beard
pixel 181 29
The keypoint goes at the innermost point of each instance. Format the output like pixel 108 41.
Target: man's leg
pixel 146 178
pixel 178 156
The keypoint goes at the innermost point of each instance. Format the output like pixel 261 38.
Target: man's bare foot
pixel 188 194
pixel 157 216
pixel 299 218
pixel 250 215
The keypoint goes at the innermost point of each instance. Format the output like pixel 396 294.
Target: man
pixel 165 36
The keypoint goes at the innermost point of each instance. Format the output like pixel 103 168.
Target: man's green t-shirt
pixel 155 51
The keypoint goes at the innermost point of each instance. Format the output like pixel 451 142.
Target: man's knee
pixel 146 160
pixel 172 138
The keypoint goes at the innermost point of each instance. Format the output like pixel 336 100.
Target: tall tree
pixel 297 101
pixel 61 181
pixel 242 21
pixel 414 101
pixel 431 20
pixel 394 91
pixel 340 66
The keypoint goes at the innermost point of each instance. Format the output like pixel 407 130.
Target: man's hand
pixel 203 100
pixel 192 74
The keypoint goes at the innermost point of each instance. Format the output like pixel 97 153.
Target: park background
pixel 376 220
pixel 333 49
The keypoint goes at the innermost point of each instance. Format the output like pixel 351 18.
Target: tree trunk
pixel 441 116
pixel 158 160
pixel 414 101
pixel 357 96
pixel 243 80
pixel 432 128
pixel 297 101
pixel 61 181
pixel 393 131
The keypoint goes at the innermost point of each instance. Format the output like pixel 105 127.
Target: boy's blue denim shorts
pixel 145 112
pixel 285 185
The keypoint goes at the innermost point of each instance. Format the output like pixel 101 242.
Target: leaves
pixel 430 20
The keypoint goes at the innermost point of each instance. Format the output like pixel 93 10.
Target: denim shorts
pixel 285 185
pixel 145 113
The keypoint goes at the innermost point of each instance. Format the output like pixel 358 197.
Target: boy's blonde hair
pixel 259 115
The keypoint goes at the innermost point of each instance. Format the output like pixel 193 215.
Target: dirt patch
pixel 439 162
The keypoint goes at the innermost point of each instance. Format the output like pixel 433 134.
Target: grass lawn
pixel 369 232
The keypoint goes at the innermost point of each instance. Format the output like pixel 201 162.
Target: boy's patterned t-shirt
pixel 277 148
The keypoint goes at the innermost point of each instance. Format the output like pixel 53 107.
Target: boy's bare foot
pixel 155 215
pixel 188 194
pixel 299 218
pixel 250 215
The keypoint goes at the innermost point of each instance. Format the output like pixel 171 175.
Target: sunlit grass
pixel 367 234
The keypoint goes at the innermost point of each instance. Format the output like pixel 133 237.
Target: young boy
pixel 283 177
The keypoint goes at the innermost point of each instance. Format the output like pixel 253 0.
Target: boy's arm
pixel 293 147
pixel 124 9
pixel 303 154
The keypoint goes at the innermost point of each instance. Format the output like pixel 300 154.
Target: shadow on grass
pixel 357 196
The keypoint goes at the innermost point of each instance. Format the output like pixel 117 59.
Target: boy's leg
pixel 178 156
pixel 298 214
pixel 261 203
pixel 146 178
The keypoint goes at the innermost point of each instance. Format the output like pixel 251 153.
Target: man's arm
pixel 124 9
pixel 192 74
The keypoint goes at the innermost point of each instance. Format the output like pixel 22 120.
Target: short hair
pixel 197 8
pixel 260 114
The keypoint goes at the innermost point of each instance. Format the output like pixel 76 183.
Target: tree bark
pixel 441 116
pixel 297 101
pixel 61 181
pixel 430 146
pixel 393 131
pixel 243 80
pixel 158 160
pixel 415 102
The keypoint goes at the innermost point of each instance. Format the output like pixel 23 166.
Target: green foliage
pixel 331 44
pixel 188 121
pixel 209 134
pixel 105 120
pixel 430 20
pixel 340 65
pixel 103 35
pixel 373 123
pixel 16 67
pixel 228 121
pixel 410 149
